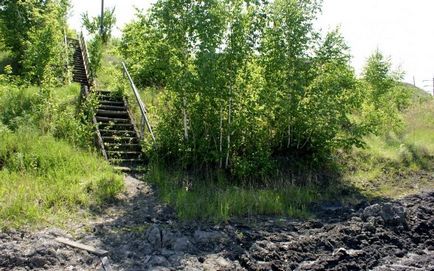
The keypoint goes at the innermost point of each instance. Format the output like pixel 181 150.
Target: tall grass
pixel 45 174
pixel 215 198
pixel 41 177
pixel 398 163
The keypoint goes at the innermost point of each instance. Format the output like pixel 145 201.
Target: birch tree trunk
pixel 289 134
pixel 229 128
pixel 184 113
pixel 221 139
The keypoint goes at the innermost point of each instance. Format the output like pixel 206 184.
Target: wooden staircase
pixel 120 139
pixel 79 73
pixel 116 133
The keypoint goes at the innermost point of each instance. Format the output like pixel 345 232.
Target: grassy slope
pixel 44 177
pixel 390 166
pixel 398 163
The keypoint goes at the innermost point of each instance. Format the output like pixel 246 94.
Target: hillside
pixel 212 135
pixel 398 163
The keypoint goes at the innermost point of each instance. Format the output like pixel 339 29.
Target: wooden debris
pixel 93 250
pixel 106 264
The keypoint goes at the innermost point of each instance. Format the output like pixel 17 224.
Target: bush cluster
pixel 246 82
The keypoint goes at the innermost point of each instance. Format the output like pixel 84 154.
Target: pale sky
pixel 401 29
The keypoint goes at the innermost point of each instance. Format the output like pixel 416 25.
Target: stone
pixel 159 268
pixel 158 260
pixel 370 211
pixel 154 237
pixel 181 244
pixel 208 236
pixel 214 262
pixel 393 214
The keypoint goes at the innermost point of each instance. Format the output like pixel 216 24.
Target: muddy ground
pixel 140 233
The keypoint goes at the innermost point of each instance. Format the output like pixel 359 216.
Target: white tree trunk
pixel 229 128
pixel 221 139
pixel 184 113
pixel 289 135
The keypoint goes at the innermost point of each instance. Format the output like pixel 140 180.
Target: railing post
pixel 142 127
pixel 144 117
pixel 85 56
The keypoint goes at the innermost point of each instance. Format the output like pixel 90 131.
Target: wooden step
pixel 128 162
pixel 112 107
pixel 108 132
pixel 122 147
pixel 119 139
pixel 124 154
pixel 109 113
pixel 112 103
pixel 115 126
pixel 106 92
pixel 109 98
pixel 113 120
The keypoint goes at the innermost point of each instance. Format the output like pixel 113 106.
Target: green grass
pixel 398 163
pixel 5 59
pixel 43 179
pixel 216 199
pixel 392 165
pixel 45 176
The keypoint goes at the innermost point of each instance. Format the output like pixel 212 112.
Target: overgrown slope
pixel 402 162
pixel 49 170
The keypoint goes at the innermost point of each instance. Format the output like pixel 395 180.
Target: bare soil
pixel 141 233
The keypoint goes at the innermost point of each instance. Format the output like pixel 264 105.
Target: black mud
pixel 142 234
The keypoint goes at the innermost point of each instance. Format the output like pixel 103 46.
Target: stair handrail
pixel 85 55
pixel 143 111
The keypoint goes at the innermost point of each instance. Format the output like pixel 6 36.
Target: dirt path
pixel 140 233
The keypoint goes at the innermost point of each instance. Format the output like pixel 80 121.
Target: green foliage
pixel 95 47
pixel 93 25
pixel 34 33
pixel 44 175
pixel 396 163
pixel 43 180
pixel 54 111
pixel 244 82
pixel 145 52
pixel 99 39
pixel 214 198
pixel 385 96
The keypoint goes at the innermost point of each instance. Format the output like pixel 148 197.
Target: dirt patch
pixel 142 234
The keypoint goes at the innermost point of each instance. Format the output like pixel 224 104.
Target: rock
pixel 370 211
pixel 208 236
pixel 214 262
pixel 167 238
pixel 181 244
pixel 347 252
pixel 391 214
pixel 158 260
pixel 38 262
pixel 154 237
pixel 159 268
pixel 167 252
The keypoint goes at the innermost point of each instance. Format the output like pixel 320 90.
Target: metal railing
pixel 85 55
pixel 144 113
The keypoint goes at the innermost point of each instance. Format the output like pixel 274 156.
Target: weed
pixel 42 178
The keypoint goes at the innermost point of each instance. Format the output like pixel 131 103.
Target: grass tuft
pixel 218 200
pixel 397 164
pixel 42 178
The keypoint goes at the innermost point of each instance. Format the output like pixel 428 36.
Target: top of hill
pixel 418 94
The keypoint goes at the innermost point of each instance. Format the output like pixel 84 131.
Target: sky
pixel 401 29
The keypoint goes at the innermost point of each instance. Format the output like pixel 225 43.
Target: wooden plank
pixel 106 264
pixel 93 250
